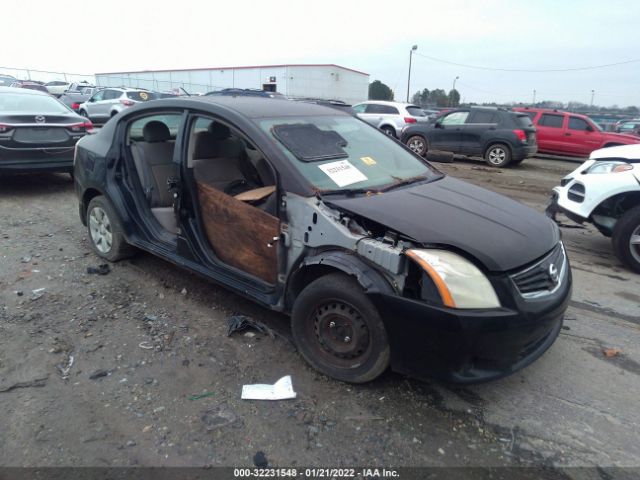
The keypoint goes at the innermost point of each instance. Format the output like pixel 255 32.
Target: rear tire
pixel 105 231
pixel 498 155
pixel 389 131
pixel 339 331
pixel 417 144
pixel 626 239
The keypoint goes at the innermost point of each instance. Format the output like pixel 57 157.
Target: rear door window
pixel 110 95
pixel 359 108
pixel 551 120
pixel 381 109
pixel 576 123
pixel 171 120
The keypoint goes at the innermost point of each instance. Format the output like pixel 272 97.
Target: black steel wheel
pixel 339 331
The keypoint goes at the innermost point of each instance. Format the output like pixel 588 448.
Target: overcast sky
pixel 372 36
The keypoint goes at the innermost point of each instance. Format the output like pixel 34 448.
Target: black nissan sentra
pixel 37 132
pixel 380 259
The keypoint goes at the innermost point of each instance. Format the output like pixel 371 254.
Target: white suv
pixel 106 103
pixel 390 117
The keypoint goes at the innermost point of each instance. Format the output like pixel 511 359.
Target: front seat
pixel 153 159
pixel 220 160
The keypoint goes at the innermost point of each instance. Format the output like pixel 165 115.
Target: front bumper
pixel 469 346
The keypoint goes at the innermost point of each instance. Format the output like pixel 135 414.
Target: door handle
pixel 567 134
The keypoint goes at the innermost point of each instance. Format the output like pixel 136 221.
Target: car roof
pixel 629 152
pixel 393 104
pixel 259 107
pixel 24 91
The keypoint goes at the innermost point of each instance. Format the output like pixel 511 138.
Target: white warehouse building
pixel 325 81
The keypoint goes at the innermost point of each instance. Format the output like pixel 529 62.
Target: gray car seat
pixel 153 159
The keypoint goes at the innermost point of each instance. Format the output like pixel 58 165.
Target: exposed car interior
pixel 153 158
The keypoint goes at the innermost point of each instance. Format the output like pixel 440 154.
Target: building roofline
pixel 237 68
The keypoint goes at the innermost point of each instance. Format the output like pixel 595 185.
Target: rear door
pixel 550 133
pixel 472 132
pixel 447 132
pixel 93 105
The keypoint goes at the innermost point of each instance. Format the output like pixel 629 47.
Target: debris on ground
pixel 611 352
pixel 26 259
pixel 99 374
pixel 260 459
pixel 102 269
pixel 64 368
pixel 37 293
pixel 217 418
pixel 202 395
pixel 239 323
pixel 281 390
pixel 36 382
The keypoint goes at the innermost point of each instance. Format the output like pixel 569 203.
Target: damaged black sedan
pixel 380 259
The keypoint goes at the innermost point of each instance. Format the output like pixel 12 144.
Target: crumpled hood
pixel 501 233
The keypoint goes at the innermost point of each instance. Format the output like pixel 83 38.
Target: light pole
pixel 415 47
pixel 534 97
pixel 453 90
pixel 593 92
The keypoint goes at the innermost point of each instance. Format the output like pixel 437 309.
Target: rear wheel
pixel 389 131
pixel 339 331
pixel 498 155
pixel 105 231
pixel 417 144
pixel 626 239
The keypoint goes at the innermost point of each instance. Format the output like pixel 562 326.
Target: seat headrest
pixel 207 145
pixel 219 131
pixel 156 131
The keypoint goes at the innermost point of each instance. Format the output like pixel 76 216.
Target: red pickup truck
pixel 564 133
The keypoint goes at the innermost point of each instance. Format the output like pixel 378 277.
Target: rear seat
pixel 153 159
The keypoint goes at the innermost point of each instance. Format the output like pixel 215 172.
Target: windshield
pixel 354 155
pixel 29 103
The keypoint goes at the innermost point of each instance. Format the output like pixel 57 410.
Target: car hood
pixel 499 232
pixel 621 136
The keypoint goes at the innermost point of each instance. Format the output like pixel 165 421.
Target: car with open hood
pixel 379 258
pixel 605 191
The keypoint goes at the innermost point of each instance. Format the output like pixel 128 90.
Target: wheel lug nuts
pixel 347 339
pixel 332 324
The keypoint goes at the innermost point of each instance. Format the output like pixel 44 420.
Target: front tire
pixel 417 144
pixel 626 239
pixel 105 231
pixel 498 155
pixel 339 331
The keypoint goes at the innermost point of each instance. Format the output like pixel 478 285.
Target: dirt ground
pixel 101 370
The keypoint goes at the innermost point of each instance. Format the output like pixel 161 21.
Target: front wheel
pixel 339 331
pixel 417 144
pixel 626 239
pixel 498 155
pixel 105 231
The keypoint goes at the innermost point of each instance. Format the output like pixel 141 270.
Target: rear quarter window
pixel 524 120
pixel 416 112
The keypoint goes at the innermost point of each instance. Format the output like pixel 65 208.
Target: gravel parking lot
pixel 101 370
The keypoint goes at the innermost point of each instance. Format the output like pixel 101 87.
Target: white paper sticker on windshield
pixel 343 173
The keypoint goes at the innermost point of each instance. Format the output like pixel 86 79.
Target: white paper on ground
pixel 343 173
pixel 281 390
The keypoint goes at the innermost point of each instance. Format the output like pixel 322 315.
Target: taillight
pixel 409 120
pixel 521 135
pixel 5 128
pixel 75 106
pixel 126 103
pixel 81 127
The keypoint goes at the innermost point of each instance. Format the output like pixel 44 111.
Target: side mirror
pixel 589 128
pixel 438 124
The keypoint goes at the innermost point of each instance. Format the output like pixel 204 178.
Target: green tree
pixel 416 99
pixel 379 91
pixel 454 98
pixel 438 97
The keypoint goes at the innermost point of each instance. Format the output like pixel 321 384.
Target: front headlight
pixel 609 167
pixel 459 282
